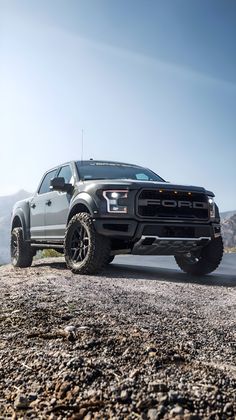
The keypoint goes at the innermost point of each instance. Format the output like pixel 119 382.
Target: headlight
pixel 212 207
pixel 116 201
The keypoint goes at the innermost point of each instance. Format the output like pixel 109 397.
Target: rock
pixel 161 409
pixel 32 396
pixel 228 408
pixel 70 332
pixel 173 396
pixel 126 351
pixel 81 414
pixel 177 411
pixel 134 373
pixel 66 317
pixel 21 402
pixel 124 395
pixel 91 393
pixel 157 386
pixel 53 401
pixel 152 414
pixel 65 387
pixel 70 328
pixel 82 328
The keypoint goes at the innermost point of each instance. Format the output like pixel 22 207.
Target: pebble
pixel 131 358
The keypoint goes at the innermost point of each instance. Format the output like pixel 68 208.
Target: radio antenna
pixel 82 145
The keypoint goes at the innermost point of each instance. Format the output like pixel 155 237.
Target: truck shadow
pixel 168 274
pixel 135 272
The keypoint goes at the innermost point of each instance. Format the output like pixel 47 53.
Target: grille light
pixel 112 198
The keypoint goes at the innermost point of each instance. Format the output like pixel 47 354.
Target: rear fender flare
pixel 24 221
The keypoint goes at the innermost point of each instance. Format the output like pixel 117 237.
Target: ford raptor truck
pixel 94 210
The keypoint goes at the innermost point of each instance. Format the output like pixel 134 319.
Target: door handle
pixel 48 203
pixel 33 206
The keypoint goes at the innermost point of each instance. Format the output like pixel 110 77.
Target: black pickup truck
pixel 93 210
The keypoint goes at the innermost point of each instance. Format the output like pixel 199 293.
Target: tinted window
pixel 45 186
pixel 66 173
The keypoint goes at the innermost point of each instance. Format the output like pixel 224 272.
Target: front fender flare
pixel 86 200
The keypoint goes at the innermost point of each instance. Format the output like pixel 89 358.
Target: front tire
pixel 86 252
pixel 204 261
pixel 21 252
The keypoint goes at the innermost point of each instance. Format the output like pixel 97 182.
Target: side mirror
pixel 59 184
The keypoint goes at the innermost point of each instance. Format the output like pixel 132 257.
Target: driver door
pixel 38 205
pixel 58 207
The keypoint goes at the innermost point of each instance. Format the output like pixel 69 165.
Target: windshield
pixel 100 170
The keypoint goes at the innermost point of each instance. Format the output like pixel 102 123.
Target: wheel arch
pixel 19 221
pixel 84 204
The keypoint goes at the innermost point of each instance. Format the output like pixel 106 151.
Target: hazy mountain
pixel 6 204
pixel 227 214
pixel 229 231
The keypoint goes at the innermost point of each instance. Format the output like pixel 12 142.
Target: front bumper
pixel 133 230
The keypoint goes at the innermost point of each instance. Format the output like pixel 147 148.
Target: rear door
pixel 57 212
pixel 37 207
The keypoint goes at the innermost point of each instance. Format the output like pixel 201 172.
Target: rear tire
pixel 86 252
pixel 204 261
pixel 21 252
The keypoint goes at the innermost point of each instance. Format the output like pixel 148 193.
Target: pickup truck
pixel 93 210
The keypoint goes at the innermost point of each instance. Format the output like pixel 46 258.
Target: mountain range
pixel 6 203
pixel 229 231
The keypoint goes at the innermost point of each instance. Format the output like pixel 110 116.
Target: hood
pixel 136 185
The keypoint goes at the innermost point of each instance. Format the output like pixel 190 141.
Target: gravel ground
pixel 122 345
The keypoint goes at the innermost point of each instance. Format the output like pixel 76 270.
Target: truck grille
pixel 168 204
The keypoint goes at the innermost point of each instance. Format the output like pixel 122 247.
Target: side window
pixel 45 186
pixel 66 173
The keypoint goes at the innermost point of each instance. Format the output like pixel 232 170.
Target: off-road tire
pixel 205 261
pixel 93 249
pixel 21 252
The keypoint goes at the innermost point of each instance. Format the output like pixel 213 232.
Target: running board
pixel 43 246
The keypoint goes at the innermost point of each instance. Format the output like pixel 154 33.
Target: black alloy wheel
pixel 86 251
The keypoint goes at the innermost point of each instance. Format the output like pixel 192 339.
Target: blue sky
pixel 151 82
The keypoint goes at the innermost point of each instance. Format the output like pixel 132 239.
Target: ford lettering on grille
pixel 152 203
pixel 175 203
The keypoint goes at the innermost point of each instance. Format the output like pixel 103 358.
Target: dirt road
pixel 132 343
